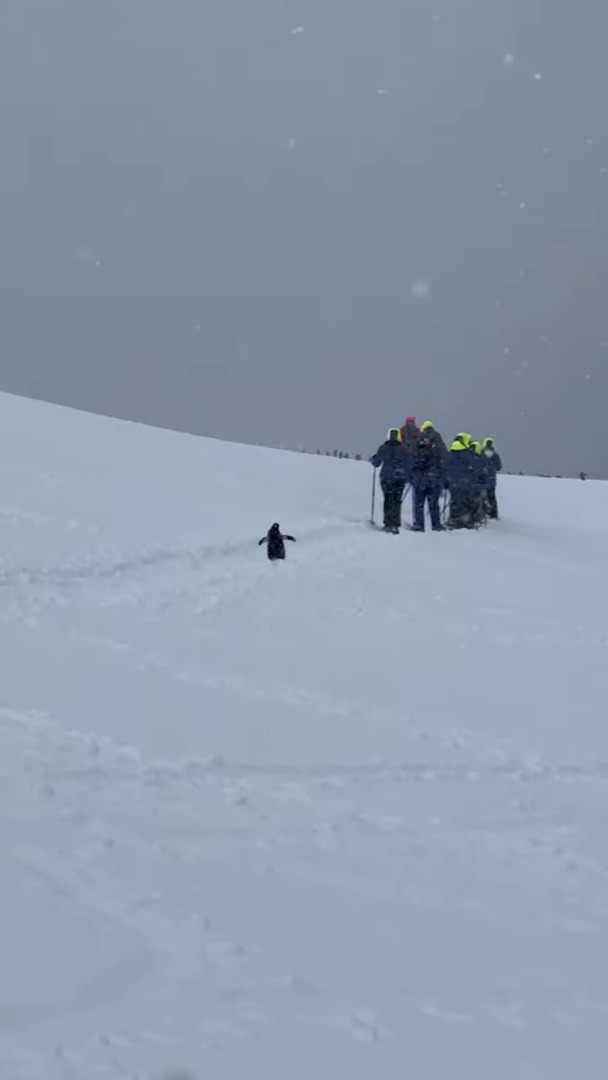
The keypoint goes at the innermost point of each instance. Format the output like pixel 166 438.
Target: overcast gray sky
pixel 294 221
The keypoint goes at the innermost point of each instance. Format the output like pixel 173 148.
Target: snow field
pixel 339 817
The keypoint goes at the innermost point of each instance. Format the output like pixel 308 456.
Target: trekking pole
pixel 372 518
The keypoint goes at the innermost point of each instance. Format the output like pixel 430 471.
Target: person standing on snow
pixel 428 476
pixel 394 461
pixel 494 466
pixel 410 432
pixel 276 542
pixel 483 473
pixel 464 481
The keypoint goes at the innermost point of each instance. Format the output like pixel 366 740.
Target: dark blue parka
pixel 394 461
pixel 492 459
pixel 429 459
pixel 465 468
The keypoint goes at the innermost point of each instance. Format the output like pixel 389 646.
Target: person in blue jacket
pixel 494 466
pixel 481 504
pixel 428 476
pixel 393 460
pixel 465 475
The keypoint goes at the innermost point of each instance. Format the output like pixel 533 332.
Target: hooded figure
pixel 394 461
pixel 480 513
pixel 275 540
pixel 410 432
pixel 428 475
pixel 465 478
pixel 494 466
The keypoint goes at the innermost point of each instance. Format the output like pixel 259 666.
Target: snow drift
pixel 341 817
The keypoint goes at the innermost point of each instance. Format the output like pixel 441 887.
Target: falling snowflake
pixel 382 90
pixel 508 59
pixel 522 205
pixel 538 77
pixel 421 289
pixel 291 144
pixel 298 30
pixel 506 351
pixel 86 255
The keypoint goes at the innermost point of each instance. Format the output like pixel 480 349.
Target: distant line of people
pixel 419 457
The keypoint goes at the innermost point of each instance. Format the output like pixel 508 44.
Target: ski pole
pixel 372 518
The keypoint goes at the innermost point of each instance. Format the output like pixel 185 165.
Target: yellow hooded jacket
pixel 462 441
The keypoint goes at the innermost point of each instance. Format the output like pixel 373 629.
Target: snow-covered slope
pixel 341 817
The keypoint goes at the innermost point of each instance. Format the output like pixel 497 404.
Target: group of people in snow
pixel 419 457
